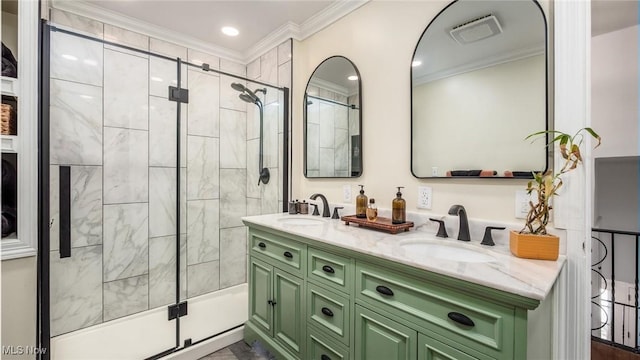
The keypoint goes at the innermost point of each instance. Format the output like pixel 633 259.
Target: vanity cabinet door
pixel 261 295
pixel 379 338
pixel 288 311
pixel 430 349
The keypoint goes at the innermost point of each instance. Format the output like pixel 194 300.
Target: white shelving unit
pixel 23 147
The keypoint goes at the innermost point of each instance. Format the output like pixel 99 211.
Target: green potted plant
pixel 533 241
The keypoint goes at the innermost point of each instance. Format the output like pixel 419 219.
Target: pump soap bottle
pixel 398 208
pixel 361 204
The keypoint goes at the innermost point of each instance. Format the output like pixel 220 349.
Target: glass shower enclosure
pixel 152 162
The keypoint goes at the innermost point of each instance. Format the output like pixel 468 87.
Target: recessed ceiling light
pixel 352 78
pixel 230 31
pixel 415 63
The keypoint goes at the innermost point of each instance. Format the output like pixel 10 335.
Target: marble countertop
pixel 529 278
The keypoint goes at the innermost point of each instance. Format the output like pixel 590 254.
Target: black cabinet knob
pixel 262 245
pixel 288 255
pixel 384 290
pixel 328 269
pixel 324 357
pixel 461 319
pixel 327 311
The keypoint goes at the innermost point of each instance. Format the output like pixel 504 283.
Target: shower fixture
pixel 250 97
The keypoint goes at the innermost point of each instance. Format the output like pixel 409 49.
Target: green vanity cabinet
pixel 379 338
pixel 326 302
pixel 277 297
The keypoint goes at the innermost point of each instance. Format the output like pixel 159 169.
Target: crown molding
pixel 83 8
pixel 328 16
pixel 323 84
pixel 317 22
pixel 481 64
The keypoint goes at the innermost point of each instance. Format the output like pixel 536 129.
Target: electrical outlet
pixel 522 204
pixel 346 193
pixel 424 197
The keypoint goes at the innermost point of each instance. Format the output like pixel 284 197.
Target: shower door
pixel 113 200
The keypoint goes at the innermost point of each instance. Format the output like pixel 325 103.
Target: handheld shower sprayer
pixel 250 97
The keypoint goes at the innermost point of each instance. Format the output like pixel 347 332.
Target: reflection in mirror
pixel 479 80
pixel 333 120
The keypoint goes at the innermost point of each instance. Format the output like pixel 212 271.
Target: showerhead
pixel 248 98
pixel 238 87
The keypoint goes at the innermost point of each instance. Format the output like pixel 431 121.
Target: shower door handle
pixel 65 212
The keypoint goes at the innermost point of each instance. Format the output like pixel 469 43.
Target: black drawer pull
pixel 384 290
pixel 461 319
pixel 262 245
pixel 324 357
pixel 327 311
pixel 288 255
pixel 271 302
pixel 328 269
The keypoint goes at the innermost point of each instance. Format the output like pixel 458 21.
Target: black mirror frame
pixel 548 152
pixel 304 116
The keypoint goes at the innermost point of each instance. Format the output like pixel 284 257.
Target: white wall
pixel 19 304
pixel 380 38
pixel 614 92
pixel 10 32
pixel 460 107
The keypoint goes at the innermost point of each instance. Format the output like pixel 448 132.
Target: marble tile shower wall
pixel 328 134
pixel 112 123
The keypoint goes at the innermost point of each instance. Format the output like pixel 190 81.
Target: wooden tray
pixel 382 223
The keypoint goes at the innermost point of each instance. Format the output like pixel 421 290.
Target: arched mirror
pixel 333 121
pixel 479 87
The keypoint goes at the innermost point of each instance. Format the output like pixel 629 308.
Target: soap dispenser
pixel 361 204
pixel 372 210
pixel 398 208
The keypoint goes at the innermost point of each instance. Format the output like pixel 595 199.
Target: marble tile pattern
pixel 54 208
pixel 203 231
pixel 313 146
pixel 164 73
pixel 126 166
pixel 327 126
pixel 199 58
pixel 203 278
pixel 162 132
pixel 269 73
pixel 253 190
pixel 125 297
pixel 341 116
pixel 253 122
pixel 233 256
pixel 233 205
pixel 86 205
pixel 229 97
pixel 126 90
pixel 162 270
pixel 270 136
pixel 241 351
pixel 233 139
pixel 125 37
pixel 126 241
pixel 76 289
pixel 233 67
pixel 253 69
pixel 529 278
pixel 76 23
pixel 203 104
pixel 76 59
pixel 342 150
pixel 284 52
pixel 166 48
pixel 76 123
pixel 270 193
pixel 327 162
pixel 203 168
pixel 162 201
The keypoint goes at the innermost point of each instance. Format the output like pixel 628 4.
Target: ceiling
pixel 612 15
pixel 203 20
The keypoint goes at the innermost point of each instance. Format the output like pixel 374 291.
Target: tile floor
pixel 239 351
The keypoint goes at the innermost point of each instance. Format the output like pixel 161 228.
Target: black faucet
pixel 325 204
pixel 463 233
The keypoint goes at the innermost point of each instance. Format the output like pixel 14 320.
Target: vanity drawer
pixel 288 254
pixel 329 312
pixel 330 269
pixel 459 318
pixel 319 347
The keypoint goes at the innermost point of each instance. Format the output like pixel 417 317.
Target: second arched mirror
pixel 479 87
pixel 333 121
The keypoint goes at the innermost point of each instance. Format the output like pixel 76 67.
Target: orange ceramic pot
pixel 531 246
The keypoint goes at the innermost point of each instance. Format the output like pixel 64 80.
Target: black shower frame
pixel 43 330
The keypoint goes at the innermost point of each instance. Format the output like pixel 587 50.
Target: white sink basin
pixel 430 249
pixel 301 221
